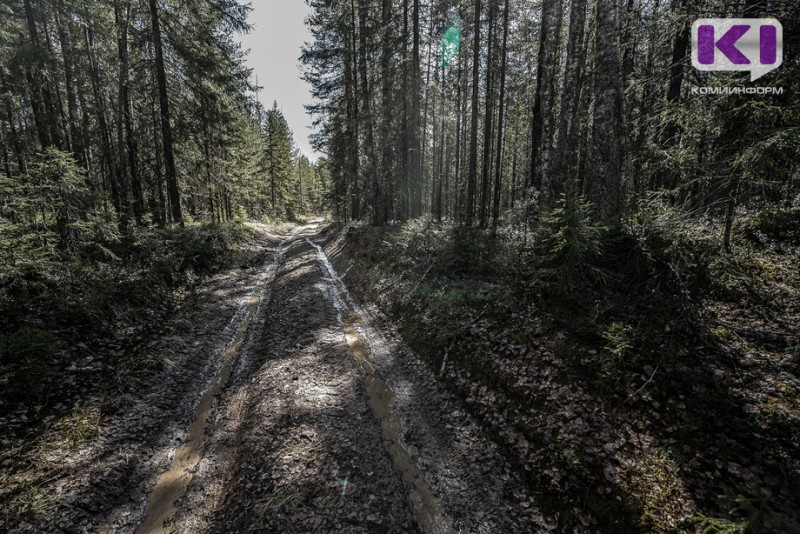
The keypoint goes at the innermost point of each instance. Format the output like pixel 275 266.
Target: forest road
pixel 319 419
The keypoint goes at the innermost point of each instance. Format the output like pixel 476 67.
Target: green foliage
pixel 94 287
pixel 279 163
pixel 675 243
pixel 25 358
pixel 619 342
pixel 80 426
pixel 755 512
pixel 731 277
pixel 775 224
pixel 671 240
pixel 568 247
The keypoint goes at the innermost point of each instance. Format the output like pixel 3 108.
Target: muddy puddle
pixel 172 485
pixel 428 510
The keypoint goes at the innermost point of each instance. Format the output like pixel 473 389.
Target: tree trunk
pixel 564 158
pixel 457 148
pixel 472 177
pixel 102 122
pixel 488 123
pixel 405 142
pixel 356 118
pixel 33 73
pixel 65 39
pixel 604 186
pixel 166 126
pixel 382 203
pixel 543 97
pixel 420 185
pixel 128 150
pixel 366 99
pixel 15 137
pixel 498 171
pixel 414 164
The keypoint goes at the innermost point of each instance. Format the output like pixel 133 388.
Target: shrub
pixel 672 242
pixel 568 249
pixel 24 358
pixel 619 342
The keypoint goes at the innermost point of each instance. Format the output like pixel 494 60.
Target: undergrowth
pixel 57 306
pixel 620 305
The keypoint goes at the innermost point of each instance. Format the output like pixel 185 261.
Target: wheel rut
pixel 316 423
pixel 172 485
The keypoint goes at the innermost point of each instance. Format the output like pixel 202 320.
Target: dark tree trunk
pixel 472 177
pixel 128 150
pixel 543 97
pixel 415 162
pixel 440 177
pixel 420 185
pixel 405 142
pixel 14 133
pixel 681 45
pixel 356 152
pixel 564 158
pixel 671 132
pixel 488 123
pixel 33 73
pixel 366 101
pixel 65 38
pixel 498 171
pixel 102 122
pixel 382 203
pixel 457 148
pixel 605 182
pixel 166 126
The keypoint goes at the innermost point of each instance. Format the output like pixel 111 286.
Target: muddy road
pixel 291 410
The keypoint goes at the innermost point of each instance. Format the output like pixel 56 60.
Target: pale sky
pixel 275 41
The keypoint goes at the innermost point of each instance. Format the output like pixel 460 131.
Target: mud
pixel 172 485
pixel 287 406
pixel 427 508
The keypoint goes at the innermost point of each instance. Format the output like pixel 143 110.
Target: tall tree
pixel 472 176
pixel 414 126
pixel 488 123
pixel 166 125
pixel 543 96
pixel 366 106
pixel 126 141
pixel 605 182
pixel 498 171
pixel 382 199
pixel 565 151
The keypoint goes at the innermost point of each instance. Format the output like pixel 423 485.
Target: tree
pixel 166 125
pixel 565 153
pixel 498 172
pixel 543 97
pixel 279 160
pixel 488 123
pixel 472 176
pixel 605 182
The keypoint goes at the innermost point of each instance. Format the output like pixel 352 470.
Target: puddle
pixel 172 485
pixel 428 510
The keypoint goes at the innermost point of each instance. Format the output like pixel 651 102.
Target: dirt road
pixel 292 411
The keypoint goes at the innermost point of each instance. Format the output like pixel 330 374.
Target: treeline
pixel 136 112
pixel 483 111
pixel 131 148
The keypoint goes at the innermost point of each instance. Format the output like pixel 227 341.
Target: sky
pixel 278 34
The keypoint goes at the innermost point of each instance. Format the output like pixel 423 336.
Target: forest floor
pixel 278 405
pixel 624 407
